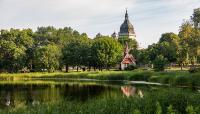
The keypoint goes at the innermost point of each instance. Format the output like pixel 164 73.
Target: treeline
pixel 53 49
pixel 50 49
pixel 182 48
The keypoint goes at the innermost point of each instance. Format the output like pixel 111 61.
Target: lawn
pixel 175 78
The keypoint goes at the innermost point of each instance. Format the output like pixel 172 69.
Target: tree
pixel 47 57
pixel 190 39
pixel 196 17
pixel 171 38
pixel 164 49
pixel 193 46
pixel 106 52
pixel 141 56
pixel 164 52
pixel 131 42
pixel 45 36
pixel 76 51
pixel 185 32
pixel 13 46
pixel 159 63
pixel 169 44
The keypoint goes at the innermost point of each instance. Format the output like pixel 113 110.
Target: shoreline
pixel 172 78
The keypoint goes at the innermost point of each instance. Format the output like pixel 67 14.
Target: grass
pixel 164 101
pixel 175 78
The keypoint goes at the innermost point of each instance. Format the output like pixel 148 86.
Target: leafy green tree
pixel 159 63
pixel 13 46
pixel 45 36
pixel 132 43
pixel 196 17
pixel 193 46
pixel 169 43
pixel 185 32
pixel 171 37
pixel 76 52
pixel 141 56
pixel 106 52
pixel 190 39
pixel 47 57
pixel 167 47
pixel 65 34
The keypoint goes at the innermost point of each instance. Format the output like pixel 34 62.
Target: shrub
pixel 182 81
pixel 144 76
pixel 190 110
pixel 159 63
pixel 116 77
pixel 131 67
pixel 170 110
pixel 194 70
pixel 166 79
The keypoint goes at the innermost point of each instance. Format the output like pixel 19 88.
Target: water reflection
pixel 13 95
pixel 19 95
pixel 131 91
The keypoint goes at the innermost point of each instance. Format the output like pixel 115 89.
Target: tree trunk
pixel 181 66
pixel 77 69
pixel 67 68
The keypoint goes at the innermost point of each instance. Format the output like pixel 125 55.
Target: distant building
pixel 127 31
pixel 128 59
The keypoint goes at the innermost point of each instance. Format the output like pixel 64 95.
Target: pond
pixel 37 92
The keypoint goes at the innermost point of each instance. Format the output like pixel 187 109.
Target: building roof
pixel 127 27
pixel 128 58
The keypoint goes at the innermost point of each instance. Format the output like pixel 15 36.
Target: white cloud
pixel 150 17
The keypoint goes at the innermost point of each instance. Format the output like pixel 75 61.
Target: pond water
pixel 36 92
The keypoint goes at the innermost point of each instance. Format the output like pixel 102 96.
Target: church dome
pixel 127 27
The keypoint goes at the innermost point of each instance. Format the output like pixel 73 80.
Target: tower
pixel 127 29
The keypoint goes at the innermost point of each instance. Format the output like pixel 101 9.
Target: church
pixel 126 31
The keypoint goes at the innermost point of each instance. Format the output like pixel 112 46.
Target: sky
pixel 150 18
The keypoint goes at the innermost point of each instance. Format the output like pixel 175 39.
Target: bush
pixel 144 76
pixel 166 79
pixel 131 67
pixel 194 70
pixel 159 63
pixel 183 81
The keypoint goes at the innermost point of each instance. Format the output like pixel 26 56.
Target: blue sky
pixel 150 18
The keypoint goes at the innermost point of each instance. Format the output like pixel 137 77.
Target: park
pixel 62 71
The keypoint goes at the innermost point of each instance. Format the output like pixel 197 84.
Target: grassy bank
pixel 177 78
pixel 167 101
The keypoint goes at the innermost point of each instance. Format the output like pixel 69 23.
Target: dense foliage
pixel 182 49
pixel 50 49
pixel 106 52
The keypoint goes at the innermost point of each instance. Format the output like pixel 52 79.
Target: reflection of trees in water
pixel 6 97
pixel 16 95
pixel 29 95
pixel 13 95
pixel 131 91
pixel 83 92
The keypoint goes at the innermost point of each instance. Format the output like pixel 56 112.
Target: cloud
pixel 150 17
